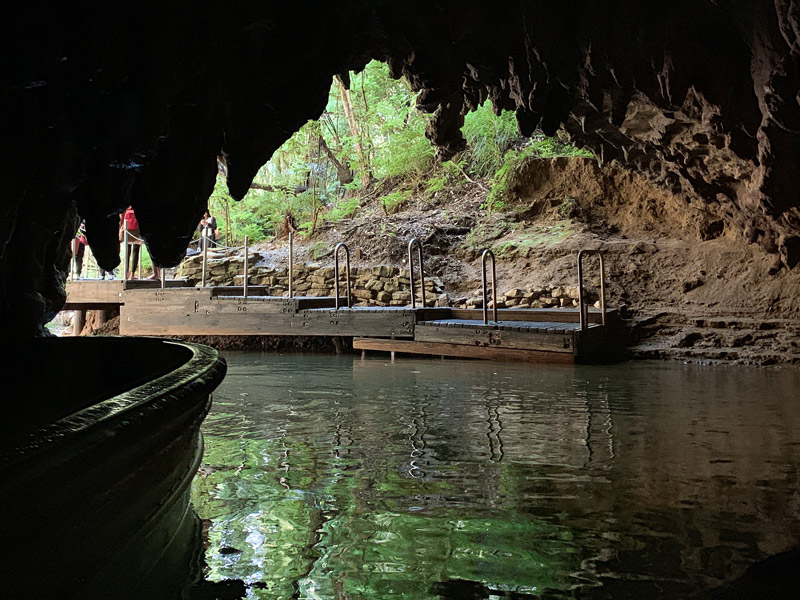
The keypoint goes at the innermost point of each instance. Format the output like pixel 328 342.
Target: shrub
pixel 489 136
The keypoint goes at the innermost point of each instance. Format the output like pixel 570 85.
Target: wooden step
pixel 461 351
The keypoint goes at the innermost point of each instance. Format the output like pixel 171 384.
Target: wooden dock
pixel 536 335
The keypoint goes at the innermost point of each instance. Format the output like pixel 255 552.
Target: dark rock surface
pixel 134 104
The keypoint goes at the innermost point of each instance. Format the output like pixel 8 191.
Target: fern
pixel 489 136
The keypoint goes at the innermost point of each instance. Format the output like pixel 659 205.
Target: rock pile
pixel 382 285
pixel 551 296
pixel 370 286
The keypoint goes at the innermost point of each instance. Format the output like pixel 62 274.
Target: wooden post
pixel 78 319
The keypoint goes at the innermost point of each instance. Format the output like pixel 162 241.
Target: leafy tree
pixel 371 131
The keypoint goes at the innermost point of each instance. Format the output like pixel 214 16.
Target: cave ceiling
pixel 112 104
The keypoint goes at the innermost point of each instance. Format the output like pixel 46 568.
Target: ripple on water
pixel 328 476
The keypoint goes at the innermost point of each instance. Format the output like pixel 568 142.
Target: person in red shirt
pixel 133 241
pixel 79 246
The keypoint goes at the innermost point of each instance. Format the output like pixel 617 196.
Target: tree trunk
pixel 347 106
pixel 344 173
pixel 270 188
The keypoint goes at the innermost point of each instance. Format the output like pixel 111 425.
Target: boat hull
pixel 96 494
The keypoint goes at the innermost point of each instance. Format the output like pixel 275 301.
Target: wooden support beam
pixel 197 312
pixel 546 341
pixel 537 335
pixel 78 320
pixel 557 315
pixel 461 351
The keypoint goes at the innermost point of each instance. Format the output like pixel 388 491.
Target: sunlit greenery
pixel 371 134
pixel 489 136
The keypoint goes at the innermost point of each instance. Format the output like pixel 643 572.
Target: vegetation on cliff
pixel 369 147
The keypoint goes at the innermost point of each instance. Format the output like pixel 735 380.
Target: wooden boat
pixel 100 442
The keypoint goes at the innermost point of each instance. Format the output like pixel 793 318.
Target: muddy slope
pixel 692 288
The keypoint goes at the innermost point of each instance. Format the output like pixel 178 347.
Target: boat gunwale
pixel 203 370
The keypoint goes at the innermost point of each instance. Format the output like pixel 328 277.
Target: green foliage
pixel 539 146
pixel 301 183
pixel 261 213
pixel 395 201
pixel 489 136
pixel 504 179
pixel 448 175
pixel 396 129
pixel 542 146
pixel 408 153
pixel 306 178
pixel 342 209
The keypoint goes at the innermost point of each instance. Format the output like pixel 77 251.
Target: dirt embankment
pixel 693 287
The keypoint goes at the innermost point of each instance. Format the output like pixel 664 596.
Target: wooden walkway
pixel 539 335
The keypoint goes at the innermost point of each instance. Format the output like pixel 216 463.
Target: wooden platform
pixel 534 335
pixel 202 312
pixel 445 349
pixel 103 294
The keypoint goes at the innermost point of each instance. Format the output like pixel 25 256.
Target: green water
pixel 340 477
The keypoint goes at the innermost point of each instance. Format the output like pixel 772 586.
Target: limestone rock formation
pixel 105 106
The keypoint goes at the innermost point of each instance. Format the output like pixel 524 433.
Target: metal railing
pixel 205 262
pixel 411 244
pixel 291 264
pixel 246 266
pixel 583 309
pixel 128 239
pixel 487 254
pixel 124 253
pixel 340 246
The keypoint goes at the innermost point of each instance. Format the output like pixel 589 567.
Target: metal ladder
pixel 583 309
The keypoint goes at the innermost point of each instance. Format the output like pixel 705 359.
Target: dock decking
pixel 539 335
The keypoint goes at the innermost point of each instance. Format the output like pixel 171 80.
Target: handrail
pixel 246 265
pixel 582 308
pixel 205 259
pixel 486 254
pixel 128 240
pixel 73 272
pixel 339 246
pixel 415 242
pixel 124 254
pixel 291 264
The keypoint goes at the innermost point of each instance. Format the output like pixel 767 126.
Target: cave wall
pixel 134 104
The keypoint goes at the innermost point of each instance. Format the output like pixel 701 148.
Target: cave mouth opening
pixel 716 81
pixel 373 139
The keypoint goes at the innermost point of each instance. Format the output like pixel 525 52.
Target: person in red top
pixel 79 246
pixel 133 241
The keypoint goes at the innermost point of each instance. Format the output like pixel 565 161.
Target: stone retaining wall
pixel 381 285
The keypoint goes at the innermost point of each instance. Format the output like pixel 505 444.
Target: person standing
pixel 208 228
pixel 156 272
pixel 133 242
pixel 79 248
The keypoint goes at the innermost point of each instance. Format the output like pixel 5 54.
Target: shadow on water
pixel 329 477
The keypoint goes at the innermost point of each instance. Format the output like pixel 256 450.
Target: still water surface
pixel 335 477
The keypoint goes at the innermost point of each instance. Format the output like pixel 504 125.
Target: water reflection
pixel 334 477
